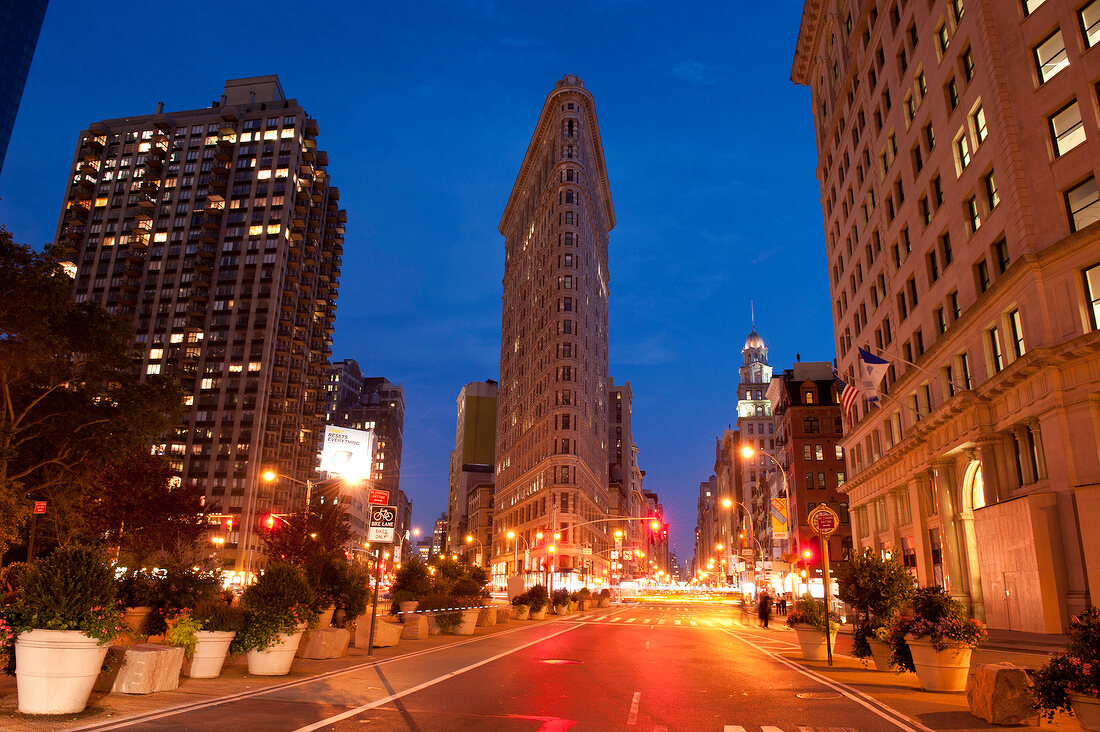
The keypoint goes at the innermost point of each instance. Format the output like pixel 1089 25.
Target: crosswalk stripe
pixel 645 620
pixel 662 621
pixel 679 622
pixel 615 620
pixel 631 620
pixel 769 728
pixel 733 728
pixel 693 622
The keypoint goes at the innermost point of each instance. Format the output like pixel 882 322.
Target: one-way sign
pixel 383 520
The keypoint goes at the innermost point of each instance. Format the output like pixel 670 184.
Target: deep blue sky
pixel 426 109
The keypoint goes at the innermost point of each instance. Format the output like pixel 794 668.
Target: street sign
pixel 628 554
pixel 614 554
pixel 823 520
pixel 383 520
pixel 40 507
pixel 746 553
pixel 377 496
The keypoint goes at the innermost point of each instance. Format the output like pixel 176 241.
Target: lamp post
pixel 481 547
pixel 748 451
pixel 515 550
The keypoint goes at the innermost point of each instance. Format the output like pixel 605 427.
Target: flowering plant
pixel 950 631
pixel 7 646
pixel 182 630
pixel 930 613
pixel 277 604
pixel 808 611
pixel 1076 671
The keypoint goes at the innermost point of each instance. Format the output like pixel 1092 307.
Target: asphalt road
pixel 646 667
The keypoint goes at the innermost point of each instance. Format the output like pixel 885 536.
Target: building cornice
pixel 809 39
pixel 541 131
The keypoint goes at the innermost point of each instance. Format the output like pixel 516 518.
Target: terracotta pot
pixel 277 658
pixel 135 618
pixel 1087 710
pixel 325 619
pixel 944 670
pixel 880 652
pixel 210 652
pixel 812 641
pixel 55 670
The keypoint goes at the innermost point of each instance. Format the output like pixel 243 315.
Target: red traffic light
pixel 655 525
pixel 808 556
pixel 229 523
pixel 269 521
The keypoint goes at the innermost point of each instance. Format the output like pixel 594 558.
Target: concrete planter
pixel 561 609
pixel 944 670
pixel 407 608
pixel 880 653
pixel 605 602
pixel 56 670
pixel 210 652
pixel 277 659
pixel 521 612
pixel 538 614
pixel 469 622
pixel 1087 710
pixel 812 641
pixel 325 620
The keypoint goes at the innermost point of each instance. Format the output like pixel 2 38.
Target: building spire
pixel 752 314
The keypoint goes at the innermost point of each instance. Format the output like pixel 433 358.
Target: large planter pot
pixel 406 608
pixel 605 602
pixel 325 619
pixel 469 622
pixel 812 641
pixel 521 612
pixel 538 614
pixel 136 618
pixel 211 648
pixel 55 670
pixel 944 670
pixel 561 609
pixel 1087 710
pixel 582 605
pixel 880 652
pixel 277 658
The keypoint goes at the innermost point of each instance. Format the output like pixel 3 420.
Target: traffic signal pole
pixel 374 602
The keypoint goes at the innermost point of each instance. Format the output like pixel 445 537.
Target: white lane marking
pixel 869 702
pixel 633 716
pixel 646 620
pixel 631 620
pixel 693 622
pixel 733 728
pixel 614 620
pixel 431 682
pixel 662 621
pixel 769 728
pixel 679 622
pixel 647 645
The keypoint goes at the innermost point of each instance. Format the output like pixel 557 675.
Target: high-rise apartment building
pixel 372 404
pixel 626 492
pixel 552 472
pixel 958 152
pixel 20 24
pixel 470 494
pixel 217 231
pixel 754 423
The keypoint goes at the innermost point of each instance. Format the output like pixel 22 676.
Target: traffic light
pixel 228 523
pixel 269 521
pixel 809 556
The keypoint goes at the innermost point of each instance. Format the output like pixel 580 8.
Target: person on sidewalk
pixel 764 609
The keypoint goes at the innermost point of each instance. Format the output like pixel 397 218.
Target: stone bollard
pixel 1000 693
pixel 142 668
pixel 324 643
pixel 487 616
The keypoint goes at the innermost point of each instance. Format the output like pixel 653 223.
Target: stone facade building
pixel 470 494
pixel 218 233
pixel 958 151
pixel 552 424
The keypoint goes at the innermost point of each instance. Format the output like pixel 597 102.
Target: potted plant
pixel 180 587
pixel 353 592
pixel 521 607
pixel 412 582
pixel 467 595
pixel 583 596
pixel 538 599
pixel 1070 681
pixel 205 635
pixel 443 614
pixel 276 612
pixel 137 592
pixel 64 617
pixel 875 588
pixel 814 627
pixel 559 600
pixel 935 639
pixel 605 597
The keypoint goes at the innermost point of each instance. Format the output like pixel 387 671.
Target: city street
pixel 649 666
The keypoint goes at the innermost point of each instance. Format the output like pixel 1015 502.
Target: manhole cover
pixel 818 695
pixel 559 661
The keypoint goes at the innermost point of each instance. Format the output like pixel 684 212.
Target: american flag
pixel 848 395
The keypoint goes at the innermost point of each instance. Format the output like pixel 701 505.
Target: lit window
pixel 995 350
pixel 1090 22
pixel 209 383
pixel 263 174
pixel 1030 5
pixel 1050 56
pixel 156 354
pixel 256 230
pixel 1092 292
pixel 1081 203
pixel 274 228
pixel 978 119
pixel 1017 327
pixel 271 135
pixel 1066 129
pixel 287 133
pixel 160 236
pixel 282 173
pixel 992 197
pixel 253 365
pixel 962 152
pixel 973 215
pixel 176 338
pixel 153 368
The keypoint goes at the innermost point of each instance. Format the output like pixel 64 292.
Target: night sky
pixel 426 110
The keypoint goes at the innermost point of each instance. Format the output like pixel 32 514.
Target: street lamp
pixel 515 553
pixel 792 533
pixel 481 548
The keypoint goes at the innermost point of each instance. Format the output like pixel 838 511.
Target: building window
pixel 1000 251
pixel 933 267
pixel 1081 203
pixel 807 452
pixel 962 153
pixel 968 64
pixel 981 269
pixel 992 198
pixel 977 119
pixel 973 215
pixel 941 321
pixel 1092 292
pixel 1017 327
pixel 952 90
pixel 1090 22
pixel 1066 129
pixel 1050 56
pixel 995 354
pixel 821 481
pixel 964 370
pixel 819 452
pixel 943 40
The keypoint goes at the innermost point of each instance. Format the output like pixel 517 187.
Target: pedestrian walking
pixel 764 609
pixel 782 605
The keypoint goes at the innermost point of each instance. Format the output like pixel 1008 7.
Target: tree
pixel 875 588
pixel 69 394
pixel 298 538
pixel 132 505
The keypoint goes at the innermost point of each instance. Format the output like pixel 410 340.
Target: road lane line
pixel 646 620
pixel 662 621
pixel 769 728
pixel 632 718
pixel 733 728
pixel 647 645
pixel 614 620
pixel 631 620
pixel 431 682
pixel 693 622
pixel 880 708
pixel 679 622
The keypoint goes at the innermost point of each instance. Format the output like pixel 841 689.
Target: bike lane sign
pixel 383 521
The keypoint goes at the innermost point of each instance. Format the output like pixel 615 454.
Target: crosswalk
pixel 800 728
pixel 688 622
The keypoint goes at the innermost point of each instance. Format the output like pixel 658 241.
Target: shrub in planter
pixel 181 587
pixel 875 588
pixel 445 620
pixel 560 598
pixel 413 581
pixel 808 611
pixel 930 613
pixel 353 591
pixel 521 599
pixel 537 598
pixel 276 604
pixel 1075 671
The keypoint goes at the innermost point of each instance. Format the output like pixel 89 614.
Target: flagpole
pixel 921 368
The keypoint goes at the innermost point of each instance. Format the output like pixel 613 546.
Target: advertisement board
pixel 779 518
pixel 347 452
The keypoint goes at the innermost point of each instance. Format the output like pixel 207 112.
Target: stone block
pixel 324 643
pixel 416 627
pixel 142 668
pixel 504 614
pixel 487 617
pixel 1000 693
pixel 386 633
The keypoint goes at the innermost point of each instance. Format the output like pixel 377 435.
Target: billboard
pixel 347 452
pixel 779 518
